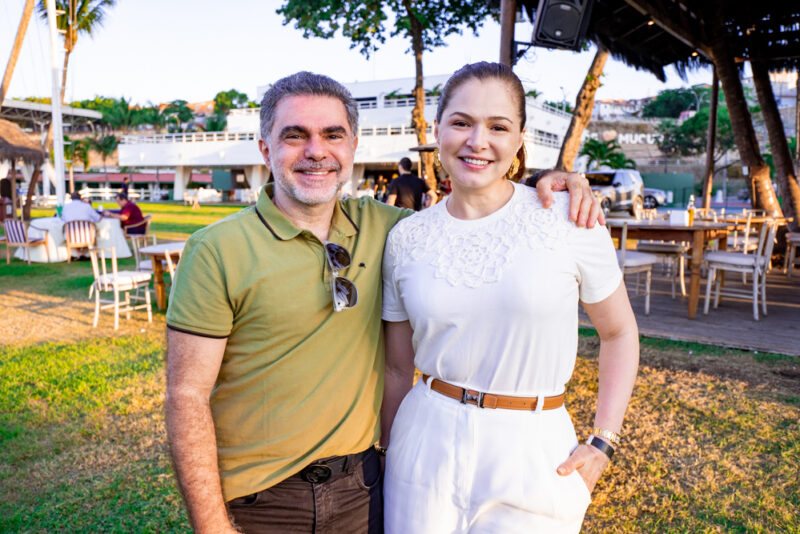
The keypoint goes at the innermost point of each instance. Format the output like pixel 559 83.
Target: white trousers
pixel 457 468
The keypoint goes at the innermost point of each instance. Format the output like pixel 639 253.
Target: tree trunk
pixel 583 112
pixel 12 60
pixel 708 185
pixel 508 10
pixel 418 114
pixel 26 209
pixel 784 170
pixel 761 193
pixel 13 178
pixel 797 119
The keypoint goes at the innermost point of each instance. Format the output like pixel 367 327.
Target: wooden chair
pixel 139 241
pixel 756 264
pixel 792 245
pixel 674 252
pixel 17 236
pixel 145 223
pixel 79 235
pixel 117 282
pixel 633 262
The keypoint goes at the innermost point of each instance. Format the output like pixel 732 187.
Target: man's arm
pixel 193 363
pixel 399 373
pixel 392 198
pixel 584 207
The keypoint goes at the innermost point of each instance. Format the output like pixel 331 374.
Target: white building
pixel 385 135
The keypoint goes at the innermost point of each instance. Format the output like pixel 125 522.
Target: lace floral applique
pixel 477 255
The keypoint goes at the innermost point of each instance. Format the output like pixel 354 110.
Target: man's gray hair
pixel 305 83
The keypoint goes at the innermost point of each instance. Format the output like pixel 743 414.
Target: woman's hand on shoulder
pixel 590 463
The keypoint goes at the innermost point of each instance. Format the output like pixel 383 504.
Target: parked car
pixel 618 190
pixel 654 198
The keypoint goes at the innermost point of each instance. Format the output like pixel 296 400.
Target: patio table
pixel 698 234
pixel 158 254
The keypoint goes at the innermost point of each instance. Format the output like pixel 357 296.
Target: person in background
pixel 407 190
pixel 381 188
pixel 78 210
pixel 126 184
pixel 365 189
pixel 129 215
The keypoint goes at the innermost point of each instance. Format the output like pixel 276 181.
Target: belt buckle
pixel 468 398
pixel 316 473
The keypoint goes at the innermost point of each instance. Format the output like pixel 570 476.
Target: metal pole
pixel 508 10
pixel 712 134
pixel 55 101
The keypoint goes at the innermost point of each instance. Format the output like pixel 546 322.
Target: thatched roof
pixel 15 144
pixel 651 34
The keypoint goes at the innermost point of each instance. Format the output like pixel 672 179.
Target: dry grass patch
pixel 704 450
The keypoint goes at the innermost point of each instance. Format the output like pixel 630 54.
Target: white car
pixel 654 198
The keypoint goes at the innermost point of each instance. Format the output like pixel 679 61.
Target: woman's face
pixel 479 134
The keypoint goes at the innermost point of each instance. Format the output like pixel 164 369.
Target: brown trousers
pixel 350 502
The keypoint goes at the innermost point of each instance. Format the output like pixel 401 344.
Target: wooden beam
pixel 508 10
pixel 679 31
pixel 712 134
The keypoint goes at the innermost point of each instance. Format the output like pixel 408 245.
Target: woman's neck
pixel 467 203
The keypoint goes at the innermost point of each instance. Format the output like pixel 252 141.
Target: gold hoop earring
pixel 514 168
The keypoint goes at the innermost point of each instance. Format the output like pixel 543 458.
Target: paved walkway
pixel 730 325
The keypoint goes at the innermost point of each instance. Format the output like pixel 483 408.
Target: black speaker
pixel 561 23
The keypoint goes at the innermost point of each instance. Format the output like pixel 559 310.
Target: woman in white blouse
pixel 481 294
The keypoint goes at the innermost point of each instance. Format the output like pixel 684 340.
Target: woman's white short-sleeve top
pixel 493 302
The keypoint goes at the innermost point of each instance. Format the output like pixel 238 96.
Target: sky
pixel 158 51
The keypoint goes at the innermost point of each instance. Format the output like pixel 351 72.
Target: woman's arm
pixel 399 374
pixel 619 362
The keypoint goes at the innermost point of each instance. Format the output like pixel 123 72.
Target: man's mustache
pixel 317 167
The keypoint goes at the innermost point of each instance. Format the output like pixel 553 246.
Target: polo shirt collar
pixel 282 228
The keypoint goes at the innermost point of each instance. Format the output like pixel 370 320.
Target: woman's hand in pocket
pixel 590 463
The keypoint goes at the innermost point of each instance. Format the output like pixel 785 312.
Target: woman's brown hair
pixel 485 70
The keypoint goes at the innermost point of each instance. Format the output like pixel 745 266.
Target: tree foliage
pixel 605 154
pixel 225 101
pixel 671 102
pixel 689 138
pixel 178 114
pixel 365 22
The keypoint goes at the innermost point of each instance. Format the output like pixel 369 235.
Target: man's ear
pixel 436 130
pixel 355 143
pixel 264 149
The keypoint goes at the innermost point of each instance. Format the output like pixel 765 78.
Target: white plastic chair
pixel 790 259
pixel 117 282
pixel 756 264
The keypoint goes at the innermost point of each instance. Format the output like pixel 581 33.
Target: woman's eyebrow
pixel 492 118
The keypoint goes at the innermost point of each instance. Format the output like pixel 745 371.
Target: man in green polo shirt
pixel 275 346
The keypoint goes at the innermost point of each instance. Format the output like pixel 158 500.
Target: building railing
pixel 539 138
pixel 549 108
pixel 543 140
pixel 190 137
pixel 244 111
pixel 408 102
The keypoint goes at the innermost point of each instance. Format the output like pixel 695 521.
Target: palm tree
pixel 607 153
pixel 12 60
pixel 583 111
pixel 121 116
pixel 155 117
pixel 105 146
pixel 78 17
pixel 178 113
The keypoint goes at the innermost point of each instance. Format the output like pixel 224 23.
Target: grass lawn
pixel 711 441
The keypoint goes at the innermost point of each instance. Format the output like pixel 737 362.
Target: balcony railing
pixel 538 138
pixel 244 111
pixel 191 137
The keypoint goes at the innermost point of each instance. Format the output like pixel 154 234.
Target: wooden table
pixel 700 233
pixel 158 254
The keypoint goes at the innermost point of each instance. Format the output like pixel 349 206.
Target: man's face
pixel 310 149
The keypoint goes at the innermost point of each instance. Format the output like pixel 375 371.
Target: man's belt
pixel 321 470
pixel 489 400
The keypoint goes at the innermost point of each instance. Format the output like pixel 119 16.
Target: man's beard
pixel 315 196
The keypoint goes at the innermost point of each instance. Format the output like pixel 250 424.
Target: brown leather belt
pixel 488 400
